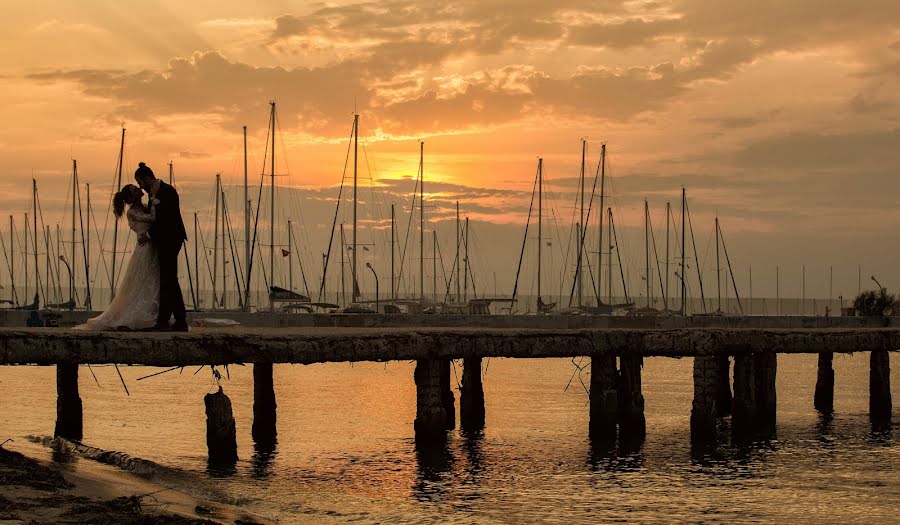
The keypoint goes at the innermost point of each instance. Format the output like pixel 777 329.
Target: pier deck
pixel 320 345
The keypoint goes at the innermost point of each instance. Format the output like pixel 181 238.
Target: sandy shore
pixel 38 485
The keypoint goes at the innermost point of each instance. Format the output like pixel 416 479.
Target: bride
pixel 136 304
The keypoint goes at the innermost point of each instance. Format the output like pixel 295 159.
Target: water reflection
pixel 623 455
pixel 264 454
pixel 434 460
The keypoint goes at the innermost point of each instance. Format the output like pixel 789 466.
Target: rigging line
pixel 584 230
pixel 412 213
pixel 256 220
pixel 656 256
pixel 334 221
pixel 302 271
pixel 524 240
pixel 9 268
pixel 696 261
pixel 231 246
pixel 84 246
pixel 733 283
pixel 619 257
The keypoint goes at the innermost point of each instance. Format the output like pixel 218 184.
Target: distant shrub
pixel 878 303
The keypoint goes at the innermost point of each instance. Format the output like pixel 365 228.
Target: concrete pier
pixel 69 423
pixel 632 424
pixel 221 434
pixel 723 406
pixel 707 393
pixel 471 396
pixel 755 399
pixel 264 429
pixel 604 398
pixel 823 400
pixel 433 398
pixel 880 387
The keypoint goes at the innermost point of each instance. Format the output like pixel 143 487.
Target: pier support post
pixel 706 397
pixel 433 398
pixel 723 404
pixel 823 400
pixel 69 422
pixel 471 396
pixel 755 400
pixel 879 386
pixel 221 440
pixel 632 424
pixel 603 397
pixel 264 430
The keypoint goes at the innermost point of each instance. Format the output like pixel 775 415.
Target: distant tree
pixel 877 303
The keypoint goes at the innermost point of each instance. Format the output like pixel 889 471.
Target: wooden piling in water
pixel 69 421
pixel 880 386
pixel 823 400
pixel 432 377
pixel 755 400
pixel 632 424
pixel 604 398
pixel 264 429
pixel 221 435
pixel 724 401
pixel 707 393
pixel 471 396
pixel 447 398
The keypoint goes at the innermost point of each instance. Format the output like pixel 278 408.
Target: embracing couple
pixel 149 293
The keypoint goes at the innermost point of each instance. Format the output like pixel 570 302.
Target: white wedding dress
pixel 136 304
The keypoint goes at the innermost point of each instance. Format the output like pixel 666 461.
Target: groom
pixel 168 234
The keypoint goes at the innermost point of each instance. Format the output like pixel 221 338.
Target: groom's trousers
pixel 170 298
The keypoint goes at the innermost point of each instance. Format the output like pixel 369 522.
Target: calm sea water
pixel 346 450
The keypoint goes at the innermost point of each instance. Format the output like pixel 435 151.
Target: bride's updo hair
pixel 122 197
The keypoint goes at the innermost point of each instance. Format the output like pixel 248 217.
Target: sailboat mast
pixel 434 250
pixel 540 222
pixel 578 274
pixel 196 260
pixel 46 233
pixel 466 272
pixel 224 258
pixel 37 275
pixel 215 275
pixel 246 226
pixel 290 266
pixel 609 282
pixel 393 226
pixel 343 280
pixel 87 251
pixel 602 203
pixel 355 286
pixel 58 262
pixel 272 213
pixel 683 276
pixel 718 269
pixel 12 260
pixel 422 219
pixel 112 275
pixel 25 253
pixel 458 296
pixel 647 246
pixel 668 214
pixel 72 262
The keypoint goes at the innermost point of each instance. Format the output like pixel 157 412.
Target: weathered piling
pixel 432 377
pixel 221 435
pixel 447 398
pixel 69 422
pixel 471 396
pixel 603 398
pixel 707 393
pixel 632 424
pixel 723 405
pixel 264 429
pixel 823 400
pixel 755 399
pixel 880 386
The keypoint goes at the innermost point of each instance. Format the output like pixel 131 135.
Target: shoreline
pixel 44 480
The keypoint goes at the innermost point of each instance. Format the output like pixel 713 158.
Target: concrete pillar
pixel 432 418
pixel 68 403
pixel 471 396
pixel 823 399
pixel 221 440
pixel 264 430
pixel 754 407
pixel 880 386
pixel 630 399
pixel 603 397
pixel 723 406
pixel 447 398
pixel 706 397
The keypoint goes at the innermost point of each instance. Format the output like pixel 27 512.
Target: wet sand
pixel 38 485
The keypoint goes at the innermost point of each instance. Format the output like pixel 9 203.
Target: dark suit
pixel 168 235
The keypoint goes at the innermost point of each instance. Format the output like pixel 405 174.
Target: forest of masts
pixel 257 256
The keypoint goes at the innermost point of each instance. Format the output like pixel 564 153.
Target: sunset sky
pixel 782 117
